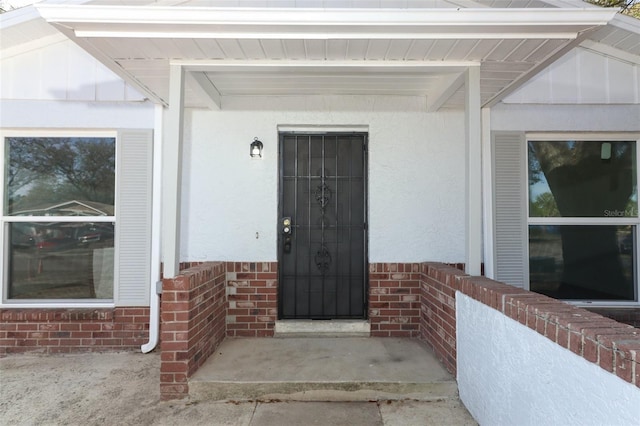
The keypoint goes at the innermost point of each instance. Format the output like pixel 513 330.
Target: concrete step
pixel 322 369
pixel 317 328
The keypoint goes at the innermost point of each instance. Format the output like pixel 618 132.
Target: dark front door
pixel 322 225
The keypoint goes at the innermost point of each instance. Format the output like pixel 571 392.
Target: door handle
pixel 287 230
pixel 286 225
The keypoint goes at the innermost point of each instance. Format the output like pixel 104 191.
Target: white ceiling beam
pixel 206 90
pixel 468 33
pixel 449 85
pixel 338 67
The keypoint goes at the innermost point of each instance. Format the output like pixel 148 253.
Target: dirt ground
pixel 109 389
pixel 123 389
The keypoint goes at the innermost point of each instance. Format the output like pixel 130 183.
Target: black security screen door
pixel 322 226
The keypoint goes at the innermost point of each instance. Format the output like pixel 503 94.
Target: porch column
pixel 487 195
pixel 172 173
pixel 473 187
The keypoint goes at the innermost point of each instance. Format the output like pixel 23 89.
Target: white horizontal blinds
pixel 509 189
pixel 133 216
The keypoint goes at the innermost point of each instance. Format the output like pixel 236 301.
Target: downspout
pixel 155 283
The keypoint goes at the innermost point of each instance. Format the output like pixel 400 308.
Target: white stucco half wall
pixel 510 375
pixel 416 176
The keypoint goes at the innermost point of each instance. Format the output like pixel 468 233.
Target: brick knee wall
pixel 252 291
pixel 73 330
pixel 613 346
pixel 394 299
pixel 193 315
pixel 438 313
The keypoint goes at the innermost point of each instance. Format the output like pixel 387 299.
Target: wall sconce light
pixel 256 148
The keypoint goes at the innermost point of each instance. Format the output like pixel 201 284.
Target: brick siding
pixel 394 299
pixel 252 291
pixel 193 324
pixel 438 314
pixel 72 330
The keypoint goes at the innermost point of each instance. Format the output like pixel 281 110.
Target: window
pixel 59 218
pixel 583 219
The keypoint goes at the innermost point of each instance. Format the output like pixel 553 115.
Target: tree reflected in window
pixel 46 172
pixel 60 178
pixel 571 179
pixel 574 259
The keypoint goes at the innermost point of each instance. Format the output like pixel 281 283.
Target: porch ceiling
pixel 253 52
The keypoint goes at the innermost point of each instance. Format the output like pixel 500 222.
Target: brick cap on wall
pixel 612 345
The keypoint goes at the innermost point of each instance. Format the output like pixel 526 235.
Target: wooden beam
pixel 205 89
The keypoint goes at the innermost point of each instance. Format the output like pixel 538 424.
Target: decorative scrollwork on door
pixel 323 260
pixel 323 195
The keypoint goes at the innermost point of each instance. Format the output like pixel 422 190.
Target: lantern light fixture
pixel 256 148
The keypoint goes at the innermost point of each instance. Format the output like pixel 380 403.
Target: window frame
pixel 5 220
pixel 594 137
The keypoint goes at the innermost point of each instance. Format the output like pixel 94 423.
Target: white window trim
pixel 49 303
pixel 595 137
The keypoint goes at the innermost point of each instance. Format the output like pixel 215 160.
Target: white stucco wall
pixel 416 176
pixel 510 375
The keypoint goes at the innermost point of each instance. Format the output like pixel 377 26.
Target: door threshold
pixel 325 328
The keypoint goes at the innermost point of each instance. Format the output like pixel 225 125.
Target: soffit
pixel 623 34
pixel 417 52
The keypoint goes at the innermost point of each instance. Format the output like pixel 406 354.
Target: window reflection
pixel 56 178
pixel 582 262
pixel 60 176
pixel 582 179
pixel 61 260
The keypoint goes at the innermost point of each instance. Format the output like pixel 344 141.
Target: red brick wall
pixel 193 324
pixel 72 330
pixel 252 290
pixel 394 299
pixel 438 315
pixel 612 345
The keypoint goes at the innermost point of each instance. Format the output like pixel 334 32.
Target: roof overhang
pixel 318 51
pixel 196 22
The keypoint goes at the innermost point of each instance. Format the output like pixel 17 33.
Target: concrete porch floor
pixel 322 369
